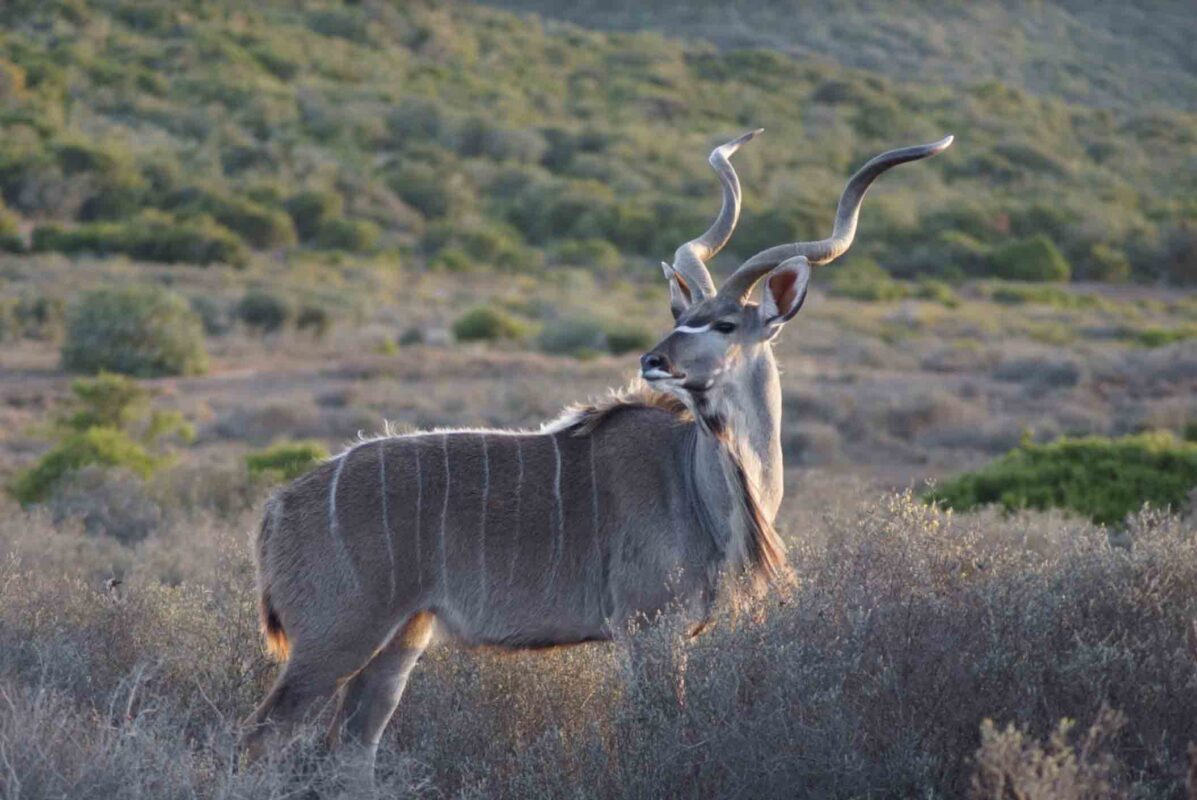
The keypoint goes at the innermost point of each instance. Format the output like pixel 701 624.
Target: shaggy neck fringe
pixel 762 549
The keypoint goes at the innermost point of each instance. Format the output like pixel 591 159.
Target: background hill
pixel 465 138
pixel 1125 55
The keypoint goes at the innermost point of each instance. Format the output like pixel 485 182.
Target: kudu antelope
pixel 557 536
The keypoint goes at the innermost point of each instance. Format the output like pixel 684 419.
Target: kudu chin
pixel 612 512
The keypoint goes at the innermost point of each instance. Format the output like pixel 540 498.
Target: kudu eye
pixel 724 327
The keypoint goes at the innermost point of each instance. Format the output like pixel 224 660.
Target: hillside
pixel 1124 55
pixel 463 138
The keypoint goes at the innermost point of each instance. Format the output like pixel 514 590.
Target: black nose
pixel 654 361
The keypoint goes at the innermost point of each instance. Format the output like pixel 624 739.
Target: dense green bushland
pixel 1105 479
pixel 478 140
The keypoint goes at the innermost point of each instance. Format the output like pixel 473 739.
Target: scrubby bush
pixel 351 235
pixel 311 209
pixel 150 237
pixel 264 311
pixel 108 424
pixel 1018 294
pixel 105 447
pixel 625 338
pixel 577 337
pixel 285 461
pixel 487 323
pixel 140 330
pixel 1104 479
pixel 863 279
pixel 314 319
pixel 1033 259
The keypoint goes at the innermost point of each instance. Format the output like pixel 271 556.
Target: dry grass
pixel 908 629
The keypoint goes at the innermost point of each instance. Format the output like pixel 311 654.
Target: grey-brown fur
pixel 519 539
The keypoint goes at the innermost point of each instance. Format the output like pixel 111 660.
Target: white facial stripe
pixel 689 329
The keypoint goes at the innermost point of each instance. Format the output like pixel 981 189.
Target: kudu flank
pixel 612 512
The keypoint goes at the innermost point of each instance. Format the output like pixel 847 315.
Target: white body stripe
pixel 482 523
pixel 334 530
pixel 444 574
pixel 386 524
pixel 694 329
pixel 558 517
pixel 519 488
pixel 419 502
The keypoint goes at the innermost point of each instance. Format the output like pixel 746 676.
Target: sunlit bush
pixel 1105 479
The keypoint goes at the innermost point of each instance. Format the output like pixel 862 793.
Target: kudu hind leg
pixel 309 678
pixel 370 697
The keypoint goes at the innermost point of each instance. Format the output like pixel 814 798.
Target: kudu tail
pixel 277 643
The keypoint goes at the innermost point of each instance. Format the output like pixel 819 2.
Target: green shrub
pixel 1159 337
pixel 1104 479
pixel 264 311
pixel 625 338
pixel 311 209
pixel 580 338
pixel 1107 263
pixel 1033 259
pixel 864 279
pixel 314 319
pixel 150 237
pixel 487 323
pixel 105 447
pixel 285 461
pixel 259 225
pixel 352 235
pixel 1018 294
pixel 137 330
pixel 937 292
pixel 10 231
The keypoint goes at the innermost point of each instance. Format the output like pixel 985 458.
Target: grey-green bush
pixel 141 330
pixel 264 311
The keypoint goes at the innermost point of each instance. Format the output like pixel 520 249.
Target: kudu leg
pixel 370 697
pixel 309 678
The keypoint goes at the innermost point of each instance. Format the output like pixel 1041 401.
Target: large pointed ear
pixel 785 292
pixel 679 293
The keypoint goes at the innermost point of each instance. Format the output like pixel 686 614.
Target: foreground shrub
pixel 1033 259
pixel 284 461
pixel 1104 479
pixel 139 330
pixel 487 323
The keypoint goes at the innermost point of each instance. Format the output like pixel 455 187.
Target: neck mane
pixel 753 546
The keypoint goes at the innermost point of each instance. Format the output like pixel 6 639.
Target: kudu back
pixel 653 498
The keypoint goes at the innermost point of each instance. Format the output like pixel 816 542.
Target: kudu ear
pixel 679 293
pixel 785 292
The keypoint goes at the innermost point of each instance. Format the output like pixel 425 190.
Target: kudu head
pixel 720 335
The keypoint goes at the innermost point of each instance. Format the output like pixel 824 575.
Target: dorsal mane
pixel 582 419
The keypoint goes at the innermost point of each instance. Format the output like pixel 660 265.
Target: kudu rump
pixel 557 536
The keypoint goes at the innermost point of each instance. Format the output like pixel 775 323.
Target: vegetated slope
pixel 1098 53
pixel 467 139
